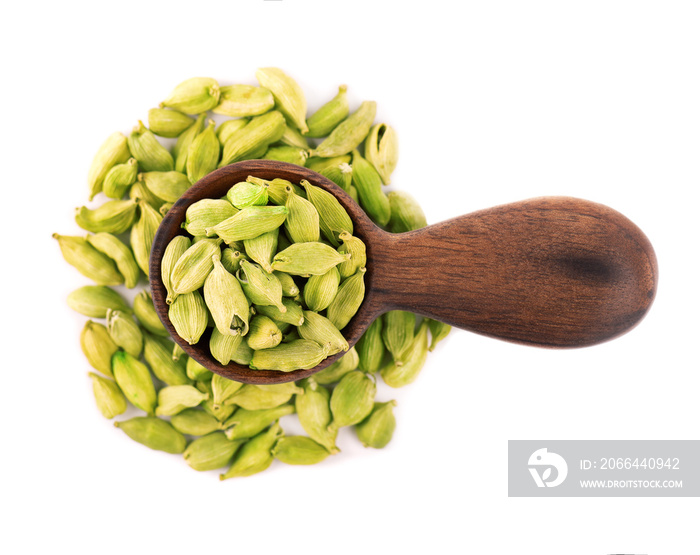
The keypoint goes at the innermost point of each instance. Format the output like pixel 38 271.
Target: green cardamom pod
pixel 154 433
pixel 125 332
pixel 299 450
pixel 231 259
pixel 203 155
pixel 223 389
pixel 288 95
pixel 302 223
pixel 152 156
pixel 352 399
pixel 256 136
pixel 178 352
pixel 93 301
pixel 146 314
pixel 109 398
pixel 301 259
pixel 370 347
pixel 255 455
pixel 313 409
pixel 263 333
pixel 399 330
pixel 175 249
pixel 244 100
pixel 249 223
pixel 143 233
pixel 406 213
pixel 261 287
pixel 196 371
pixel 134 379
pixel 175 398
pixel 320 291
pixel 293 138
pixel 289 286
pixel 90 262
pixel 349 134
pixel 262 248
pixel 112 152
pixel 226 301
pixel 168 123
pixel 334 373
pixel 369 190
pixel 194 96
pixel 295 355
pixel 114 216
pixel 328 116
pixel 194 422
pixel 351 293
pixel 207 213
pixel 229 127
pixel 188 315
pixel 341 175
pixel 243 354
pixel 245 194
pixel 182 146
pixel 293 315
pixel 120 178
pixel 438 332
pixel 157 352
pixel 358 254
pixel 139 191
pixel 321 330
pixel 245 424
pixel 210 452
pixel 333 218
pixel 378 428
pixel 122 256
pixel 261 397
pixel 319 164
pixel 223 347
pixel 287 153
pixel 382 150
pixel 168 186
pixel 405 370
pixel 98 347
pixel 192 268
pixel 277 189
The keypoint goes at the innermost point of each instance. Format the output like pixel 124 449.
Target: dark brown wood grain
pixel 550 272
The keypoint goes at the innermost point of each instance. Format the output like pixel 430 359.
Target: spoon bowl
pixel 550 272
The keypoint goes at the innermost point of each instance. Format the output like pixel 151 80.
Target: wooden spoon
pixel 549 272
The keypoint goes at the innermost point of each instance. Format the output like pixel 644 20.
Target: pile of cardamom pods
pixel 261 318
pixel 215 422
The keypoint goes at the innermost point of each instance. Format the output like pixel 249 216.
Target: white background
pixel 493 102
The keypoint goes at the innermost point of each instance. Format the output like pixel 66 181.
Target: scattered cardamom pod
pixel 90 262
pixel 299 450
pixel 143 233
pixel 194 96
pixel 157 352
pixel 152 156
pixel 211 451
pixel 125 332
pixel 378 428
pixel 134 379
pixel 175 398
pixel 313 409
pixel 255 455
pixel 382 150
pixel 334 373
pixel 114 216
pixel 370 347
pixel 349 134
pixel 406 214
pixel 94 301
pixel 120 178
pixel 203 155
pixel 154 433
pixel 405 370
pixel 289 98
pixel 328 116
pixel 112 152
pixel 165 122
pixel 438 332
pixel 239 101
pixel 352 399
pixel 194 422
pixel 109 398
pixel 122 256
pixel 245 423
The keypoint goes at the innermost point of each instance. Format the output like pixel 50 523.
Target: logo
pixel 540 465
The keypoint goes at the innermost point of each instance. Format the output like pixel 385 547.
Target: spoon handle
pixel 550 271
